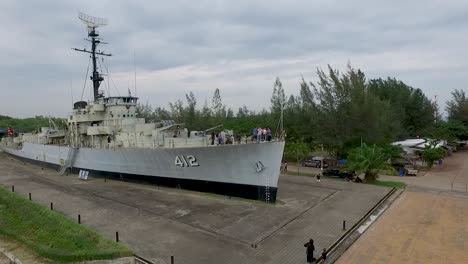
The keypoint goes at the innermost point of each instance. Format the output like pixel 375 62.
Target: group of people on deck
pixel 261 134
pixel 258 135
pixel 221 138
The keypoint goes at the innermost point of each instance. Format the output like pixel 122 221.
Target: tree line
pixel 24 125
pixel 338 112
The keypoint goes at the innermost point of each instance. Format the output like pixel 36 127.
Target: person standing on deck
pixel 268 133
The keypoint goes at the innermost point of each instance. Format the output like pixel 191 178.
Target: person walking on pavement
pixel 324 254
pixel 310 250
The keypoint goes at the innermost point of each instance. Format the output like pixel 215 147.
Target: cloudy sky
pixel 236 46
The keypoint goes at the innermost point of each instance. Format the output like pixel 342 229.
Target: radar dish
pixel 91 21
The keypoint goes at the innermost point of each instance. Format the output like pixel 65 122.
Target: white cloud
pixel 237 46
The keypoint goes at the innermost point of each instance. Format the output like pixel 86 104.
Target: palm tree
pixel 369 160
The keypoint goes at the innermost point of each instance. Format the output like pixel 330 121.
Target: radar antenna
pixel 92 24
pixel 91 21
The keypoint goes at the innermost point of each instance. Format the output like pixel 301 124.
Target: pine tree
pixel 457 108
pixel 278 98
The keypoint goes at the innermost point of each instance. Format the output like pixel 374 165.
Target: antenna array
pixel 92 22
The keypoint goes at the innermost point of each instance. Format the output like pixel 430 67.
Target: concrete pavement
pixel 426 224
pixel 201 228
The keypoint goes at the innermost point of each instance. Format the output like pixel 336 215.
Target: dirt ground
pixel 3 259
pixel 426 224
pixel 19 252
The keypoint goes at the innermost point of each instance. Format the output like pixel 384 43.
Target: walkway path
pixel 426 224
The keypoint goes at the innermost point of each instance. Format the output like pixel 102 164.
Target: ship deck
pixel 194 227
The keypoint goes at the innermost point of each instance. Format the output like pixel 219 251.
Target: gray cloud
pixel 237 46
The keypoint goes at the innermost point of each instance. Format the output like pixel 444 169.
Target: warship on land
pixel 105 137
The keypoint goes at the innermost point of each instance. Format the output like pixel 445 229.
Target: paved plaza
pixel 426 224
pixel 194 227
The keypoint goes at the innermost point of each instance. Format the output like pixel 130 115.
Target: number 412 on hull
pixel 186 161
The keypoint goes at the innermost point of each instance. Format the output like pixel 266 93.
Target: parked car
pixel 410 170
pixel 332 171
pixel 312 162
pixel 336 171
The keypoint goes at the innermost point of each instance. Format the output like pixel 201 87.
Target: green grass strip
pixel 51 234
pixel 399 185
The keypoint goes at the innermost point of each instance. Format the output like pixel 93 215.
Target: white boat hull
pixel 247 170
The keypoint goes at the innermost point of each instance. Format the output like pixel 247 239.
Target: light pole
pixel 321 162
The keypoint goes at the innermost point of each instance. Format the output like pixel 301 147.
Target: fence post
pixel 344 224
pixel 29 196
pixel 79 219
pixel 52 206
pixel 117 236
pixel 13 188
pixel 172 259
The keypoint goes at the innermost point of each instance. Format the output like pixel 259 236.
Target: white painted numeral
pixel 178 162
pixel 186 161
pixel 192 161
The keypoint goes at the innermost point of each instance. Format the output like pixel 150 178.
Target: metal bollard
pixel 344 224
pixel 172 259
pixel 52 206
pixel 117 236
pixel 79 219
pixel 29 196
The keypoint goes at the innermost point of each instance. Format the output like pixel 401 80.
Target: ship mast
pixel 93 23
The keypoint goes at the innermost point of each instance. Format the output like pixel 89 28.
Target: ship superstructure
pixel 106 137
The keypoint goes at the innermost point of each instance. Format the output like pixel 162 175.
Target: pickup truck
pixel 410 170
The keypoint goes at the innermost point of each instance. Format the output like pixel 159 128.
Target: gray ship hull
pixel 244 170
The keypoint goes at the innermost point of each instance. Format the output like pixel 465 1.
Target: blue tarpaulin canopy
pixel 341 161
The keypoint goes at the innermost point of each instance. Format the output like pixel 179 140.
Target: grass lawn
pixel 399 185
pixel 51 234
